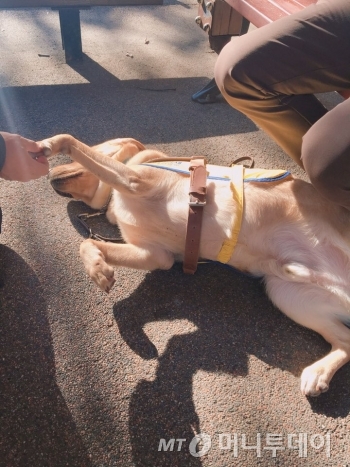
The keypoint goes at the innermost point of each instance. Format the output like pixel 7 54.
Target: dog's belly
pixel 291 223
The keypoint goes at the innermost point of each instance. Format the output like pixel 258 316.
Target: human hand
pixel 24 159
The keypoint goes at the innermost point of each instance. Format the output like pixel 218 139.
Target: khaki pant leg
pixel 326 154
pixel 271 73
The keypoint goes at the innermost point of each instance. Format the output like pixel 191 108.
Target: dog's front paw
pixel 46 148
pixel 57 144
pixel 97 268
pixel 314 380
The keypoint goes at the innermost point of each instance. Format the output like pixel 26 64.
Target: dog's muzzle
pixel 58 182
pixel 62 193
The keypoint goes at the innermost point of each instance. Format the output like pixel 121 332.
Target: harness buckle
pixel 196 203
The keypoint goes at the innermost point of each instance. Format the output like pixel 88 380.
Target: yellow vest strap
pixel 236 186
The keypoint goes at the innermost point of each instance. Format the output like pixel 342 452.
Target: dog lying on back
pixel 291 236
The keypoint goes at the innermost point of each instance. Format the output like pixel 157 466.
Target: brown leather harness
pixel 197 201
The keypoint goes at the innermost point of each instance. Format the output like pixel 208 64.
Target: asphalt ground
pixel 94 380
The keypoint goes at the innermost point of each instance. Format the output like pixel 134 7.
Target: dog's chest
pixel 120 210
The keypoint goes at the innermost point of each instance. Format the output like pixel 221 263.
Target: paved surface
pixel 90 380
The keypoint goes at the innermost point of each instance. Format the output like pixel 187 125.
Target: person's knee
pixel 318 171
pixel 222 70
pixel 233 69
pixel 309 158
pixel 329 175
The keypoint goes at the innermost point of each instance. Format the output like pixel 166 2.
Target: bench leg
pixel 210 93
pixel 71 33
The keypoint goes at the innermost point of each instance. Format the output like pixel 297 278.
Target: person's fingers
pixel 31 146
pixel 29 169
pixel 37 155
pixel 25 159
pixel 38 168
pixel 42 160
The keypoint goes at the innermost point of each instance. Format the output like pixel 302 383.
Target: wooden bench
pixel 224 19
pixel 69 15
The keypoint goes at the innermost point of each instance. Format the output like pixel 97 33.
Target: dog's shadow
pixel 233 319
pixel 36 426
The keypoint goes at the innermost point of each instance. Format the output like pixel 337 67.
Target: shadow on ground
pixel 233 323
pixel 36 425
pixel 112 107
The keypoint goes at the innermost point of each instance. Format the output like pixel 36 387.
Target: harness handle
pixel 242 159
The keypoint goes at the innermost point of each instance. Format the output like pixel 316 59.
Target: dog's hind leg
pixel 146 155
pixel 120 149
pixel 321 311
pixel 98 257
pixel 114 173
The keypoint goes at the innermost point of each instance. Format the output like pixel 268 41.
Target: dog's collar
pixel 104 208
pixel 102 197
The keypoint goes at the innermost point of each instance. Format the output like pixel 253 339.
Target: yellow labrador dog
pixel 290 235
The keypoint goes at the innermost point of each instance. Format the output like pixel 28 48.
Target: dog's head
pixel 75 181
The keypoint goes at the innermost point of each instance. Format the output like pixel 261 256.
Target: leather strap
pixel 198 190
